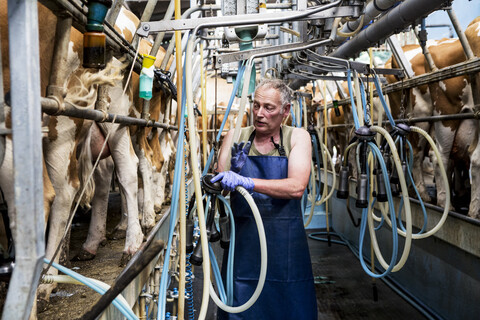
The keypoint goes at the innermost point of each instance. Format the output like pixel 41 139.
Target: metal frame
pixel 50 106
pixel 400 56
pixel 146 28
pixel 26 109
pixel 27 158
pixel 467 67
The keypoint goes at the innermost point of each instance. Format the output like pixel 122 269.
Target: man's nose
pixel 260 112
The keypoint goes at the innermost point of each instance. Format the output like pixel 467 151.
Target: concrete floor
pixel 345 291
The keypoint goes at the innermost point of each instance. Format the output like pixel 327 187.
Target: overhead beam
pixel 392 22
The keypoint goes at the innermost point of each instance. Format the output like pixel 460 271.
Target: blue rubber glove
pixel 239 155
pixel 230 180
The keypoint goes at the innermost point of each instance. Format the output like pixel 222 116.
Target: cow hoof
pixel 146 231
pixel 125 258
pixel 83 255
pixel 117 234
pixel 42 305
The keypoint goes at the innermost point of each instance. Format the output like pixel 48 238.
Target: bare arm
pixel 224 152
pixel 299 159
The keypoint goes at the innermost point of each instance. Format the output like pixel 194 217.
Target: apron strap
pixel 279 147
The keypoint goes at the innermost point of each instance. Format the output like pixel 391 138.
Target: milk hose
pixel 196 177
pixel 243 100
pixel 173 212
pixel 364 103
pixel 263 266
pixel 98 286
pixel 368 217
pixel 325 196
pixel 440 164
pixel 330 160
pixel 447 188
pixel 402 183
pixel 349 34
pixel 300 109
pixel 313 181
pixel 408 213
pixel 294 121
pixel 228 299
pixel 305 118
pixel 227 111
pixel 410 178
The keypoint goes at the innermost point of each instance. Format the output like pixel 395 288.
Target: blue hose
pixel 382 100
pixel 300 105
pixel 352 100
pixel 231 252
pixel 127 312
pixel 363 225
pixel 216 273
pixel 382 219
pixel 294 122
pixel 228 298
pixel 317 159
pixel 174 210
pixel 364 103
pixel 241 70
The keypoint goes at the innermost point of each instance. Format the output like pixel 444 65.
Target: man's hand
pixel 230 180
pixel 239 156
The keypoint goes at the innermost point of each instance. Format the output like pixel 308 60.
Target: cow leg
pixel 120 230
pixel 98 221
pixel 418 145
pixel 161 175
pixel 6 184
pixel 444 139
pixel 61 163
pixel 474 209
pixel 146 169
pixel 126 163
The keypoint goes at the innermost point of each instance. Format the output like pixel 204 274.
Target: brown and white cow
pixel 417 102
pixel 153 147
pixel 63 149
pixel 456 140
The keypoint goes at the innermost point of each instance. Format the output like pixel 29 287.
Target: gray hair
pixel 280 86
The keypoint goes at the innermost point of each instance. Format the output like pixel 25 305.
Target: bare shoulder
pixel 300 136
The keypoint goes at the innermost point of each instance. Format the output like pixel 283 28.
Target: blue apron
pixel 289 291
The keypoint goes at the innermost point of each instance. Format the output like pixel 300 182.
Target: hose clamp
pixel 105 116
pixel 58 94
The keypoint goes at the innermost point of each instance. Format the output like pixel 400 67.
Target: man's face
pixel 267 110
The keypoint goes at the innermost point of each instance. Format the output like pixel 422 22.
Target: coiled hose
pixel 263 265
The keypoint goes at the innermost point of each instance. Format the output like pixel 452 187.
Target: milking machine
pixel 94 40
pixel 392 170
pixel 316 164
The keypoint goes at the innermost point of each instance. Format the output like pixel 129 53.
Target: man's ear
pixel 286 110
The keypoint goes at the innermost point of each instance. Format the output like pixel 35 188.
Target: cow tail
pixel 85 168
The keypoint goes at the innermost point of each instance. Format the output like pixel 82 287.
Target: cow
pixel 416 102
pixel 153 148
pixel 455 139
pixel 68 145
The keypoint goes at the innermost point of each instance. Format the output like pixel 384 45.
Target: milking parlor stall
pixel 113 113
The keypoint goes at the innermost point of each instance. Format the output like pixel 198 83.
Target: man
pixel 275 165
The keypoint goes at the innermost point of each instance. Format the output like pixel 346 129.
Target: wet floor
pixel 345 291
